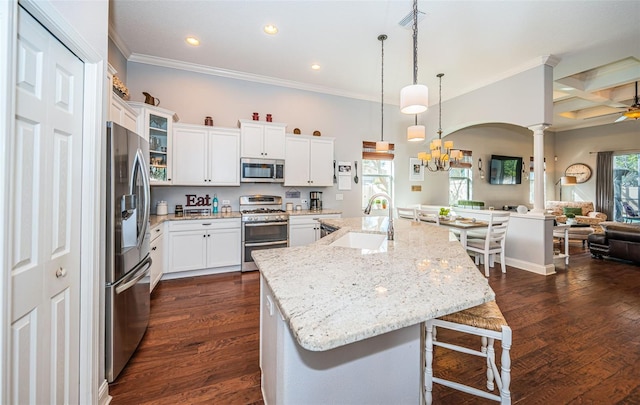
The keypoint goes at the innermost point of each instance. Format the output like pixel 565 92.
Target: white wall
pixel 580 145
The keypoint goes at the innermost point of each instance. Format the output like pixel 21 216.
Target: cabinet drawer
pixel 157 231
pixel 200 224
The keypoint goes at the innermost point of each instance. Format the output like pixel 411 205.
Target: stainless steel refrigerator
pixel 127 278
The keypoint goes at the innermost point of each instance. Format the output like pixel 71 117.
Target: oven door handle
pixel 265 224
pixel 280 242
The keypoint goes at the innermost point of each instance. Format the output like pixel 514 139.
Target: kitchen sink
pixel 366 241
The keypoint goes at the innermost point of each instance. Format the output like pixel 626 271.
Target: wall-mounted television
pixel 505 170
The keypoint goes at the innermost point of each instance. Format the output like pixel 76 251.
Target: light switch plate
pixel 226 202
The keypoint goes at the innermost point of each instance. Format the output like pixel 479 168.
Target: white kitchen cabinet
pixel 213 244
pixel 265 140
pixel 157 254
pixel 309 161
pixel 122 114
pixel 119 111
pixel 155 124
pixel 305 229
pixel 205 156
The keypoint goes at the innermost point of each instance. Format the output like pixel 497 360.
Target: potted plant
pixel 384 204
pixel 444 213
pixel 377 202
pixel 571 219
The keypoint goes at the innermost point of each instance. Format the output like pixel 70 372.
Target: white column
pixel 538 168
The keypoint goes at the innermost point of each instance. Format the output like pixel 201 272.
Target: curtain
pixel 369 151
pixel 604 183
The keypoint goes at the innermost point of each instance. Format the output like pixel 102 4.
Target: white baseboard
pixel 103 394
pixel 545 270
pixel 201 272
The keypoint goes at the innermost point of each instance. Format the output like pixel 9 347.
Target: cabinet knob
pixel 168 179
pixel 154 248
pixel 204 236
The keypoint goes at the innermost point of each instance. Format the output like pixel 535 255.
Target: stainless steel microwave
pixel 261 170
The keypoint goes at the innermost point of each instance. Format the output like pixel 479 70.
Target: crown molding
pixel 119 43
pixel 233 74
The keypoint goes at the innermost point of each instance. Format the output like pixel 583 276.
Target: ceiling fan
pixel 633 111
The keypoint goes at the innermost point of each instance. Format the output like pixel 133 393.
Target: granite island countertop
pixel 331 296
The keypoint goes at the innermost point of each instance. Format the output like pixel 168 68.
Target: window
pixel 377 177
pixel 460 179
pixel 626 169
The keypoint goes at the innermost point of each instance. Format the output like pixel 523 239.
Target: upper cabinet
pixel 309 161
pixel 205 156
pixel 119 111
pixel 155 124
pixel 264 140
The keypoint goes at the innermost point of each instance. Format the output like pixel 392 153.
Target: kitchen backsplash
pixel 178 195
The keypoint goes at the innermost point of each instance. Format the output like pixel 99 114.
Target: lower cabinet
pixel 157 255
pixel 204 245
pixel 305 229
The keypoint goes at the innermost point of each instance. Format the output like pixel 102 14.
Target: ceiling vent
pixel 407 20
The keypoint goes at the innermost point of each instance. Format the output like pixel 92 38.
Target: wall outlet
pixel 303 201
pixel 226 202
pixel 339 197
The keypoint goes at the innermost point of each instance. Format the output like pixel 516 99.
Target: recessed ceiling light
pixel 315 66
pixel 271 29
pixel 193 41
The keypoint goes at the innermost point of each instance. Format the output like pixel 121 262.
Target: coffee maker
pixel 315 198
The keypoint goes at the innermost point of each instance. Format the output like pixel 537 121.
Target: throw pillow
pixel 572 210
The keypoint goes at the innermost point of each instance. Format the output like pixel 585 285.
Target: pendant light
pixel 441 154
pixel 416 133
pixel 414 98
pixel 382 145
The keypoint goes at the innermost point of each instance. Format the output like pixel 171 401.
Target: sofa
pixel 619 241
pixel 584 212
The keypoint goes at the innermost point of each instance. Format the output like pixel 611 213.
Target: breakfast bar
pixel 341 319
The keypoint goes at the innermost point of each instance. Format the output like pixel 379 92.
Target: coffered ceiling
pixel 475 43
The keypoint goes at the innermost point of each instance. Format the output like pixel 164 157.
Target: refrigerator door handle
pixel 141 165
pixel 136 275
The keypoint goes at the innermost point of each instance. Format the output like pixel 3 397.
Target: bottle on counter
pixel 215 203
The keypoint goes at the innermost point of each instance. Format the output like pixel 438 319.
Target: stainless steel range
pixel 265 225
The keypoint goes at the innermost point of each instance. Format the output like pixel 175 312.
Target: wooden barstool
pixel 485 321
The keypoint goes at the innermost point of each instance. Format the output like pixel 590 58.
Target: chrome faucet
pixel 367 211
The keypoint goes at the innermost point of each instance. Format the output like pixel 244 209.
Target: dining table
pixel 464 225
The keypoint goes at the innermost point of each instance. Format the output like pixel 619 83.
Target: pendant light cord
pixel 381 38
pixel 415 41
pixel 440 107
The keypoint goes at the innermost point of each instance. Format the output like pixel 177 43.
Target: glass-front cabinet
pixel 156 125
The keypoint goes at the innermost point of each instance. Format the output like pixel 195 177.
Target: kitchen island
pixel 343 325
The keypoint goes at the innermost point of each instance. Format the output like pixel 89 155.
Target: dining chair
pixel 486 321
pixel 492 243
pixel 427 215
pixel 409 213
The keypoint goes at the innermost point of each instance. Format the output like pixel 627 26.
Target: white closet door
pixel 45 214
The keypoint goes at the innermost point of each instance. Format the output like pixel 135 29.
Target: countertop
pixel 158 219
pixel 295 213
pixel 332 296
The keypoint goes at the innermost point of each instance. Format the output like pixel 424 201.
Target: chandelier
pixel 441 155
pixel 414 98
pixel 382 145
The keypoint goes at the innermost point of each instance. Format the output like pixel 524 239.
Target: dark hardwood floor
pixel 576 339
